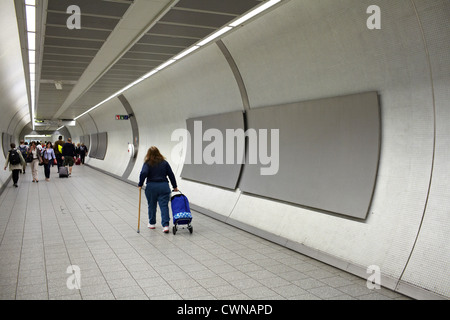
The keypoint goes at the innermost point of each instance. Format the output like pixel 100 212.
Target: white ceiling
pixel 119 41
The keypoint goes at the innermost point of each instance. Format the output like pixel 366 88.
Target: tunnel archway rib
pixel 433 96
pixel 237 74
pixel 135 131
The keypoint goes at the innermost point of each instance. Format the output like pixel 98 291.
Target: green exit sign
pixel 119 117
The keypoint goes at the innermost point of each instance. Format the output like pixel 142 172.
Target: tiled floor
pixel 90 220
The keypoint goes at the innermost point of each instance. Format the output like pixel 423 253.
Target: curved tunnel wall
pixel 14 112
pixel 306 50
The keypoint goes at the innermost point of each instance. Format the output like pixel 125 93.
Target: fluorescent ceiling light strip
pixel 188 51
pixel 127 87
pixel 31 18
pixel 214 36
pixel 38 135
pixel 96 106
pixel 148 75
pixel 31 56
pixel 165 64
pixel 31 41
pixel 185 53
pixel 118 93
pixel 30 14
pixel 255 12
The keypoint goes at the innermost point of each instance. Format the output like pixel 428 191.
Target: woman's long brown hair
pixel 153 156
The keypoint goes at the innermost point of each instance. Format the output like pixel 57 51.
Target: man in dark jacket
pixel 68 153
pixel 57 147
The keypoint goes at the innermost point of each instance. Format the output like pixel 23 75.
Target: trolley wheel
pixel 191 229
pixel 174 229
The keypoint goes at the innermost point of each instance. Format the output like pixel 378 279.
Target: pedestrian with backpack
pixel 16 163
pixel 23 148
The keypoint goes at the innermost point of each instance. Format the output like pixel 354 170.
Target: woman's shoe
pixel 166 229
pixel 151 226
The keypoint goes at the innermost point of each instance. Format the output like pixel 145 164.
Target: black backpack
pixel 14 157
pixel 23 150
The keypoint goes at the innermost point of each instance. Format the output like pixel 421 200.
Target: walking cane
pixel 139 215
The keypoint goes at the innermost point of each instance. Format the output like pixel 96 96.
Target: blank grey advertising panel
pixel 102 145
pixel 215 152
pixel 328 153
pixel 94 144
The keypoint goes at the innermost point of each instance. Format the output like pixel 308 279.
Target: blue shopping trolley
pixel 181 212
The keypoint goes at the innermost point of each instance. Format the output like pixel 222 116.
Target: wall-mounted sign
pixel 121 117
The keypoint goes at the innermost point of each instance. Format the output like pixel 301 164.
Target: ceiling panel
pixel 67 53
pixel 180 31
pixel 73 43
pixel 92 7
pixel 150 48
pixel 166 41
pixel 196 18
pixel 83 33
pixel 70 51
pixel 91 22
pixel 236 7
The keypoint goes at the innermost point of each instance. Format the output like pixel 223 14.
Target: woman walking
pixel 35 154
pixel 156 170
pixel 47 157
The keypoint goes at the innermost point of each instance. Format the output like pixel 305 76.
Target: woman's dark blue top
pixel 157 173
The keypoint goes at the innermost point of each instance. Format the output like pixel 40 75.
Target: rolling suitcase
pixel 63 172
pixel 181 212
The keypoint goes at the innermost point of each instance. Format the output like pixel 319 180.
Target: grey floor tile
pixel 309 283
pixel 30 290
pixel 151 282
pixel 374 296
pixel 153 292
pixel 224 291
pixel 33 296
pixel 99 296
pixel 308 296
pixel 355 290
pixel 245 283
pixel 336 281
pixel 121 283
pixel 289 291
pixel 94 290
pixel 261 292
pixel 325 292
pixel 211 282
pixel 88 227
pixel 194 292
pixel 124 292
